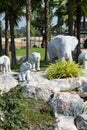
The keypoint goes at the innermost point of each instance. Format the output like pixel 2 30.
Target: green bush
pixel 63 70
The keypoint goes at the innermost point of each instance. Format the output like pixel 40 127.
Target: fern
pixel 64 69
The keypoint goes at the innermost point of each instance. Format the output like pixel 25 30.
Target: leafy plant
pixel 63 69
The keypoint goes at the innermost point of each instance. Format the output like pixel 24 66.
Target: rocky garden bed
pixel 66 97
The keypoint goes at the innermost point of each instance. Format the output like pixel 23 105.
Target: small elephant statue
pixel 34 59
pixel 5 64
pixel 24 74
pixel 82 59
pixel 61 47
pixel 25 66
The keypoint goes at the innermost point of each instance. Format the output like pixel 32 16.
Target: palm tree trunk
pixel 13 52
pixel 0 40
pixel 70 17
pixel 6 36
pixel 78 22
pixel 28 7
pixel 46 27
pixel 84 21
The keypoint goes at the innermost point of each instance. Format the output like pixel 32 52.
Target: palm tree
pixel 0 40
pixel 14 10
pixel 28 8
pixel 6 35
pixel 46 27
pixel 70 16
pixel 78 24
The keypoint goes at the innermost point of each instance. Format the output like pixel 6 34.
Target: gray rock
pixel 40 87
pixel 67 104
pixel 81 122
pixel 7 81
pixel 66 123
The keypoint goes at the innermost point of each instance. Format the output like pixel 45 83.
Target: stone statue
pixel 24 74
pixel 5 64
pixel 61 47
pixel 82 59
pixel 34 59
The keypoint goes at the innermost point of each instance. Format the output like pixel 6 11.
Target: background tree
pixel 6 35
pixel 46 27
pixel 70 11
pixel 0 40
pixel 13 15
pixel 28 8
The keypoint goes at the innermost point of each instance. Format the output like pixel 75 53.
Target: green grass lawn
pixel 22 52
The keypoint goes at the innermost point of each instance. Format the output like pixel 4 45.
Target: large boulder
pixel 41 88
pixel 7 81
pixel 67 104
pixel 65 123
pixel 81 122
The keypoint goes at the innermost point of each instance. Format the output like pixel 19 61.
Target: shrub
pixel 63 70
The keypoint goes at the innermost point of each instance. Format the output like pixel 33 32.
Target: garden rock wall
pixel 67 97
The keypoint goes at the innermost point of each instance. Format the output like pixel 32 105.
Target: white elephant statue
pixel 5 64
pixel 24 74
pixel 34 59
pixel 61 47
pixel 25 66
pixel 82 59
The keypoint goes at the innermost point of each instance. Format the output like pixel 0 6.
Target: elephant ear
pixel 74 43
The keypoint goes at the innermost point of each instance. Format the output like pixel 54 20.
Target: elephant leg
pixel 33 66
pixel 3 69
pixel 28 77
pixel 23 76
pixel 20 77
pixel 9 69
pixel 6 68
pixel 62 58
pixel 38 65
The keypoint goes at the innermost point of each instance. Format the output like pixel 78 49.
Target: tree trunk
pixel 13 52
pixel 28 8
pixel 0 40
pixel 46 27
pixel 84 21
pixel 70 17
pixel 78 22
pixel 6 36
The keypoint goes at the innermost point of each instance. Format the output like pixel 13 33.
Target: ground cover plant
pixel 20 111
pixel 64 69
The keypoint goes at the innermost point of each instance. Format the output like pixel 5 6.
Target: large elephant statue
pixel 61 47
pixel 5 64
pixel 34 59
